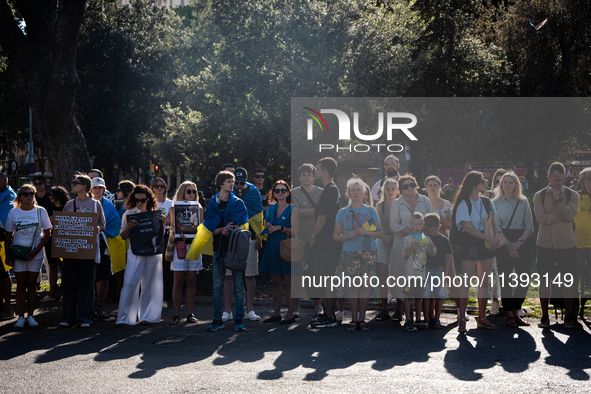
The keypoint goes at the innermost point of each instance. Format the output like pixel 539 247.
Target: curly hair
pixel 151 204
pixel 60 194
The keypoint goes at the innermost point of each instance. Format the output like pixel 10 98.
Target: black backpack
pixel 237 250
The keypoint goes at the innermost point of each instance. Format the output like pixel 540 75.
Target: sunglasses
pixel 280 191
pixel 240 183
pixel 483 181
pixel 159 187
pixel 260 176
pixel 39 184
pixel 191 191
pixel 28 194
pixel 141 200
pixel 409 186
pixel 74 183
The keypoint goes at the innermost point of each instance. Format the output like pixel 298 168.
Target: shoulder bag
pixel 291 250
pixel 19 252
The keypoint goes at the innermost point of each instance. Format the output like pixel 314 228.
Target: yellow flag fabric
pixel 203 242
pixel 117 250
pixel 257 224
pixel 3 256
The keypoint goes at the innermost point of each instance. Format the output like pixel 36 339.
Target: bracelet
pixel 522 241
pixel 282 229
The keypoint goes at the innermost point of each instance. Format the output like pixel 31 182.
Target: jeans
pixel 78 275
pixel 218 273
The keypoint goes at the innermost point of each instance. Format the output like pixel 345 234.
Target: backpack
pixel 237 250
pixel 455 233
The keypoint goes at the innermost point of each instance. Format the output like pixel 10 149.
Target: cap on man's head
pixel 241 174
pixel 98 182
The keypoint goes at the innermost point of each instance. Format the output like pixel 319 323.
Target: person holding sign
pixel 143 270
pixel 27 231
pixel 184 220
pixel 79 274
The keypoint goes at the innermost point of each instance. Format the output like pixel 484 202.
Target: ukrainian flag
pixel 254 205
pixel 235 212
pixel 118 253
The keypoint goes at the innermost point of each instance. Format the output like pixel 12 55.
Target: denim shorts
pixel 435 288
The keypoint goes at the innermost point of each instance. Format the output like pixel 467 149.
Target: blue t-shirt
pixel 350 224
pixel 443 247
pixel 476 217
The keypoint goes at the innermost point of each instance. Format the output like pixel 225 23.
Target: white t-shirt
pixel 165 208
pixel 24 224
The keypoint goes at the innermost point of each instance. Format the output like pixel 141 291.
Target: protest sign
pixel 147 238
pixel 74 235
pixel 185 216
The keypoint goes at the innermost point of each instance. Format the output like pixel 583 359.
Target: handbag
pixel 169 254
pixel 19 252
pixel 513 235
pixel 291 250
pixel 181 249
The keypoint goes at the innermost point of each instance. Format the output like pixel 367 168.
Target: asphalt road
pixel 274 358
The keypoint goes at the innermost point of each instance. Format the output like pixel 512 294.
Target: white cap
pixel 98 182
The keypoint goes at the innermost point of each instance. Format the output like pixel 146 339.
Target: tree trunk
pixel 45 58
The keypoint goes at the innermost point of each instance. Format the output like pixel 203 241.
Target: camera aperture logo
pixel 344 132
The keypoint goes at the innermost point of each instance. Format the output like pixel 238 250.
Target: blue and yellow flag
pixel 254 205
pixel 235 212
pixel 118 253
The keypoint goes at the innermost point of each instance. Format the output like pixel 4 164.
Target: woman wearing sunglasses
pixel 281 219
pixel 27 225
pixel 79 274
pixel 160 189
pixel 400 214
pixel 140 270
pixel 470 209
pixel 182 267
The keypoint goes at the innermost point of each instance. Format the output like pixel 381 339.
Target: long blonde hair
pixel 516 193
pixel 180 192
pixel 386 182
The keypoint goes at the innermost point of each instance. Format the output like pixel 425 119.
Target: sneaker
pixel 227 316
pixel 319 310
pixel 568 322
pixel 215 325
pixel 408 326
pixel 422 324
pixel 238 326
pixel 383 316
pixel 339 316
pixel 495 307
pixel 100 314
pixel 324 321
pixel 397 316
pixel 85 325
pixel 7 314
pixel 164 304
pixel 544 322
pixel 251 316
pixel 297 312
pixel 31 321
pixel 20 323
pixel 114 313
pixel 64 324
pixel 48 299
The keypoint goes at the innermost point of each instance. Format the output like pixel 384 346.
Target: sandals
pixel 191 318
pixel 488 325
pixel 353 326
pixel 363 327
pixel 174 321
pixel 520 322
pixel 511 323
pixel 462 326
pixel 437 324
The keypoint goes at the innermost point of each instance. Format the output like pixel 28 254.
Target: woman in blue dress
pixel 280 218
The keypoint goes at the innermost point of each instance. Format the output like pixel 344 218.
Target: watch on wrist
pixel 522 241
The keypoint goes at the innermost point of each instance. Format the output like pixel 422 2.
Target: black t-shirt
pixel 220 242
pixel 443 247
pixel 328 204
pixel 264 191
pixel 45 202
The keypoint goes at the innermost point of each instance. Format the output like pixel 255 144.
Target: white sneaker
pixel 319 310
pixel 227 316
pixel 31 321
pixel 64 324
pixel 84 325
pixel 339 315
pixel 495 307
pixel 20 323
pixel 249 316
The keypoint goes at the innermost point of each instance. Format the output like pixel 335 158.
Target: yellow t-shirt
pixel 583 222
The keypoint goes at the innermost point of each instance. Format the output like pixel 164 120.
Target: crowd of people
pixel 388 231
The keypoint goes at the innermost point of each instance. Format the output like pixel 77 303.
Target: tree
pixel 39 38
